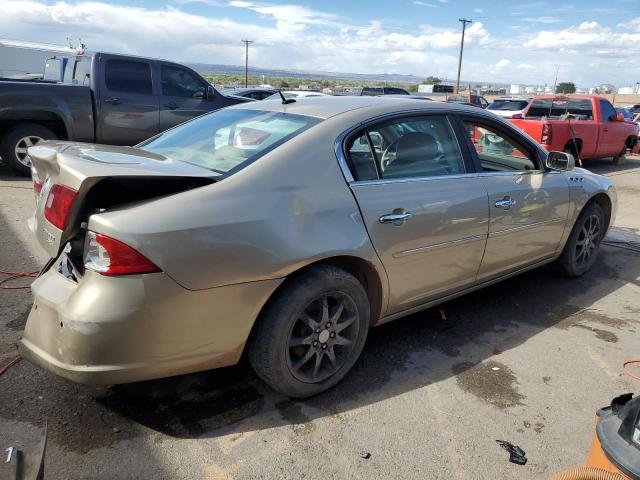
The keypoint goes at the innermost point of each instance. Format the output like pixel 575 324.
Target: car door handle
pixel 112 101
pixel 396 218
pixel 171 106
pixel 505 203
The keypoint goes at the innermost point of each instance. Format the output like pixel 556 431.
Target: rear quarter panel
pixel 288 209
pixel 36 100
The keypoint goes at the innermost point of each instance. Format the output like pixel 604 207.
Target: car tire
pixel 305 342
pixel 16 140
pixel 578 255
pixel 621 157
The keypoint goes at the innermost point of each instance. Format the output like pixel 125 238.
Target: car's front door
pixel 127 107
pixel 528 205
pixel 425 212
pixel 614 133
pixel 184 96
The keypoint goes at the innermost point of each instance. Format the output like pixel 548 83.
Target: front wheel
pixel 583 244
pixel 621 157
pixel 311 334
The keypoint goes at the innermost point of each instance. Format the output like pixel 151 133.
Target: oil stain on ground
pixel 581 319
pixel 490 381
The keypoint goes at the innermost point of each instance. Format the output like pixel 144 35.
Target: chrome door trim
pixel 524 227
pixel 413 251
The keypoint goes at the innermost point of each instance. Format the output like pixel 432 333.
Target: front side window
pixel 408 147
pixel 178 82
pixel 228 139
pixel 497 152
pixel 128 76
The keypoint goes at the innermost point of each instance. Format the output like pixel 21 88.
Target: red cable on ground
pixel 627 372
pixel 13 276
pixel 10 364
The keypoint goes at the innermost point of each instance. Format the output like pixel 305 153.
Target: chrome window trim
pixel 344 163
pixel 414 179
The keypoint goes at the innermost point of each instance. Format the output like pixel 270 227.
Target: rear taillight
pixel 37 183
pixel 109 256
pixel 58 205
pixel 517 115
pixel 547 136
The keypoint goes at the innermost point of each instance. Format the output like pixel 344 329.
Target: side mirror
pixel 560 161
pixel 211 92
pixel 619 117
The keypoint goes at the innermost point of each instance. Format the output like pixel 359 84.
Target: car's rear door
pixel 127 108
pixel 183 95
pixel 425 210
pixel 528 205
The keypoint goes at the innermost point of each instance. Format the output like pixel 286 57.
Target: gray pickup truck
pixel 103 98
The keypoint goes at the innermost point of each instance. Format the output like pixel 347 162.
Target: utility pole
pixel 555 81
pixel 464 22
pixel 246 61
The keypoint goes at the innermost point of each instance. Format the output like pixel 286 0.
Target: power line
pixel 246 61
pixel 464 22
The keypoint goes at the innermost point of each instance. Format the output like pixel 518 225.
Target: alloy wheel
pixel 21 148
pixel 322 337
pixel 588 240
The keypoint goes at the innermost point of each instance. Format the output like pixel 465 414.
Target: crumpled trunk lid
pixel 103 177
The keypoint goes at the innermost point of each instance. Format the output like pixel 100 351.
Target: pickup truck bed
pixel 586 126
pixel 104 98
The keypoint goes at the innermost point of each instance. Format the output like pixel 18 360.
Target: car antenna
pixel 286 101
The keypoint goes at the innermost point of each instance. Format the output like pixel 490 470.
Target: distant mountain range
pixel 269 72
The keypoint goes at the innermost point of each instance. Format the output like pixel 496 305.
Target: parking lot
pixel 528 360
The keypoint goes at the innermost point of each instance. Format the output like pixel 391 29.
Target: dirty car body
pixel 175 256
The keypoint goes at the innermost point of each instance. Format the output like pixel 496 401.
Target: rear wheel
pixel 311 333
pixel 583 244
pixel 14 145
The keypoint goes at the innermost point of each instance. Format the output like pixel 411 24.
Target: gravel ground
pixel 529 360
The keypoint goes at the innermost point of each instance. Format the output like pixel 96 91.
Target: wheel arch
pixel 604 202
pixel 575 144
pixel 48 119
pixel 362 269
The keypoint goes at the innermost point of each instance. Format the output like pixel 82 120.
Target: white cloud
pixel 478 10
pixel 294 36
pixel 424 4
pixel 540 19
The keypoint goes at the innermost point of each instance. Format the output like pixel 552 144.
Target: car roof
pixel 330 106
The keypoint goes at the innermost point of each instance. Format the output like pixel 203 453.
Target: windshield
pixel 508 105
pixel 228 139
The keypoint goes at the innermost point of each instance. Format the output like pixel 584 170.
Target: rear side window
pixel 607 111
pixel 372 91
pixel 408 147
pixel 128 76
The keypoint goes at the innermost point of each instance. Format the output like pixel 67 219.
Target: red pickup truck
pixel 587 126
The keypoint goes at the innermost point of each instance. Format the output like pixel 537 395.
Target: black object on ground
pixel 364 454
pixel 516 454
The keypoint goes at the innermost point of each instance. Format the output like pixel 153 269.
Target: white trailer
pixel 24 59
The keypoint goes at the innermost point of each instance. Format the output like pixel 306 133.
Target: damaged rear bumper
pixel 104 330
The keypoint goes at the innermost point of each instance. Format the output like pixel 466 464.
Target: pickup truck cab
pixel 102 98
pixel 587 126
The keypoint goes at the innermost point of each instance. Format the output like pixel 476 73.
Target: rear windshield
pixel 548 107
pixel 228 139
pixel 508 105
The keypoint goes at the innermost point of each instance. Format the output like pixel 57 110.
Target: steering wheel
pixel 386 160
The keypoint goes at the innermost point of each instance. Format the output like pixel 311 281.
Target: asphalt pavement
pixel 528 360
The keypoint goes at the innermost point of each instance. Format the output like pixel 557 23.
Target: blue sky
pixel 592 42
